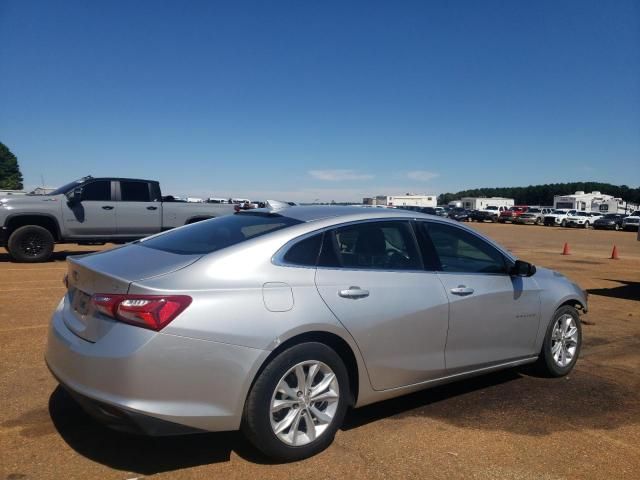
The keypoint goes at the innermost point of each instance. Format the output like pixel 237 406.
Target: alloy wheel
pixel 32 244
pixel 564 340
pixel 304 403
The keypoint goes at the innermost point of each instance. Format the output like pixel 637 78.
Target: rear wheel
pixel 30 244
pixel 562 343
pixel 297 403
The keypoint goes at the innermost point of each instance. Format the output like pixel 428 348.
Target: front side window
pixel 386 245
pixel 99 191
pixel 218 233
pixel 134 192
pixel 457 250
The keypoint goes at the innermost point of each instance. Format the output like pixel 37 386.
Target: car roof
pixel 320 212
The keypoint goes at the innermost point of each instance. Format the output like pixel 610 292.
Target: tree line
pixel 543 194
pixel 10 176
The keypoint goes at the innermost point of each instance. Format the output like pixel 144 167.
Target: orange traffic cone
pixel 565 250
pixel 614 253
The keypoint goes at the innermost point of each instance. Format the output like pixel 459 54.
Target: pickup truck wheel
pixel 30 244
pixel 564 223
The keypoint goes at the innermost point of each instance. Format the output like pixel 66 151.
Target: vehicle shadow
pixel 407 403
pixel 627 291
pixel 55 256
pixel 142 454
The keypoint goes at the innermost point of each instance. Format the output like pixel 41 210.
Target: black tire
pixel 546 363
pixel 256 424
pixel 563 223
pixel 586 225
pixel 30 244
pixel 616 227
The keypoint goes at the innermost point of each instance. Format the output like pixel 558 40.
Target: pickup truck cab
pixel 93 211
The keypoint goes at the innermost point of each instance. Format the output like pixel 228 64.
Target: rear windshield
pixel 212 235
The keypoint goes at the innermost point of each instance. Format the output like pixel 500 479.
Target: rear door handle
pixel 152 208
pixel 354 292
pixel 462 290
pixel 107 207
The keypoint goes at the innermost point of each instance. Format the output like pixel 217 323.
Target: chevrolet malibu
pixel 275 321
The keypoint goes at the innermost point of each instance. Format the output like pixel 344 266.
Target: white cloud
pixel 422 175
pixel 339 175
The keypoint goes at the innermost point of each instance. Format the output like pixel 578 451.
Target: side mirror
pixel 522 269
pixel 77 196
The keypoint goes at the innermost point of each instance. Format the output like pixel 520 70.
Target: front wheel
pixel 562 343
pixel 30 244
pixel 297 403
pixel 586 225
pixel 616 227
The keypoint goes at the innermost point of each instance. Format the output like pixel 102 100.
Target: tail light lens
pixel 147 311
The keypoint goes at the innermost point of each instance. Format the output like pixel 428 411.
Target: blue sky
pixel 305 100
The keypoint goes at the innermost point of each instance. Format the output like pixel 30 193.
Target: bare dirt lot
pixel 507 425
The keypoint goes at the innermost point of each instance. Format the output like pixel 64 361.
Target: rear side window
pixel 305 252
pixel 460 251
pixel 212 235
pixel 372 245
pixel 134 192
pixel 99 191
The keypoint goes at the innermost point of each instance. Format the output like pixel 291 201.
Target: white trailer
pixel 406 200
pixel 481 203
pixel 593 202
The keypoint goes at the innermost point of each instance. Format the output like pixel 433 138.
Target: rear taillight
pixel 147 311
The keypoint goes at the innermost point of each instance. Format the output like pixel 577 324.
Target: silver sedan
pixel 276 321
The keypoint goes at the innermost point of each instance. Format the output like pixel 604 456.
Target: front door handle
pixel 462 290
pixel 107 207
pixel 152 208
pixel 354 292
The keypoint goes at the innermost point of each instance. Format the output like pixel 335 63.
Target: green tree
pixel 10 176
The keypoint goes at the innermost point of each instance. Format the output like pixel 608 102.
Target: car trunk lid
pixel 112 272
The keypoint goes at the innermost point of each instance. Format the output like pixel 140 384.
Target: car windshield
pixel 68 187
pixel 218 233
pixel 612 216
pixel 559 212
pixel 492 208
pixel 534 210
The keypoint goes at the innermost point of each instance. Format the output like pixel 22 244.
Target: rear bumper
pixel 138 380
pixel 124 420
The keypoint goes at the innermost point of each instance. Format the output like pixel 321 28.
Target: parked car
pixel 495 210
pixel 459 214
pixel 581 219
pixel 511 214
pixel 632 221
pixel 558 217
pixel 483 216
pixel 93 211
pixel 610 221
pixel 277 322
pixel 529 218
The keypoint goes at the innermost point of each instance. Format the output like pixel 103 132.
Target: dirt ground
pixel 509 425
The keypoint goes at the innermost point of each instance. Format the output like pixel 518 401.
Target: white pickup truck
pixel 93 211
